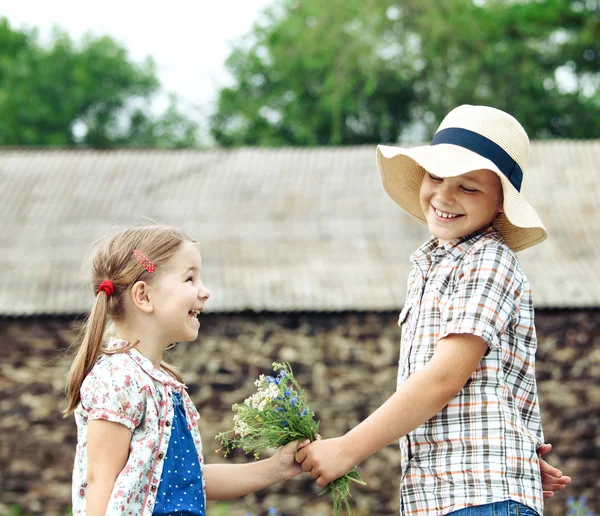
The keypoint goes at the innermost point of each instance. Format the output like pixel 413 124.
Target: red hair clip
pixel 107 287
pixel 146 263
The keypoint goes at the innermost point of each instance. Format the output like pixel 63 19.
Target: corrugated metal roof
pixel 279 229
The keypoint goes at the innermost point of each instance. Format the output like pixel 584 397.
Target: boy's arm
pixel 225 481
pixel 107 453
pixel 552 478
pixel 425 393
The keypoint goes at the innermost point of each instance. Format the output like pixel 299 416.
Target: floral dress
pixel 126 388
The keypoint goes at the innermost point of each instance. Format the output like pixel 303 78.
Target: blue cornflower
pixel 272 510
pixel 270 379
pixel 282 373
pixel 287 393
pixel 277 380
pixel 285 423
pixel 279 409
pixel 294 401
pixel 304 412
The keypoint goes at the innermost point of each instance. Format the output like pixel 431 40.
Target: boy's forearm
pixel 417 401
pixel 225 481
pixel 425 393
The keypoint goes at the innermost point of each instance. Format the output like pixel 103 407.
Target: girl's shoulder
pixel 115 368
pixel 120 361
pixel 114 384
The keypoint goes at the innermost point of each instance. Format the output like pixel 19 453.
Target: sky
pixel 188 40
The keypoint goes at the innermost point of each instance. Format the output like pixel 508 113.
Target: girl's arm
pixel 225 481
pixel 107 451
pixel 425 393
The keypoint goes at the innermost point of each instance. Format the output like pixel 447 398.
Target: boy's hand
pixel 552 478
pixel 284 460
pixel 326 460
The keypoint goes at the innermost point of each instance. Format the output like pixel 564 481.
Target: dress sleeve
pixel 486 295
pixel 111 392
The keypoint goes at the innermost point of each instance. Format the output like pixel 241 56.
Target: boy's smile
pixel 457 206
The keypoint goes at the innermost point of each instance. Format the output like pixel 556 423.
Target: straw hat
pixel 469 138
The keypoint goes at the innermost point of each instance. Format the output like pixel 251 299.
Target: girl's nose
pixel 203 293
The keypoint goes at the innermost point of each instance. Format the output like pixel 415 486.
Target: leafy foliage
pixel 360 71
pixel 312 75
pixel 538 60
pixel 46 92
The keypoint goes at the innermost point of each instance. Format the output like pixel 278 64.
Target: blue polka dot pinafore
pixel 180 490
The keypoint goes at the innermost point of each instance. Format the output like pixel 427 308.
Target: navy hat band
pixel 484 147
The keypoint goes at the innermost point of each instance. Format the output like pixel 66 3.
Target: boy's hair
pixel 113 260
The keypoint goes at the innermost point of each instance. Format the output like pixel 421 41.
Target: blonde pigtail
pixel 89 350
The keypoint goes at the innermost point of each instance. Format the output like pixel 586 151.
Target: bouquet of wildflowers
pixel 275 415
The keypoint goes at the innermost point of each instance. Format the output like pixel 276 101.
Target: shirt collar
pixel 146 364
pixel 454 247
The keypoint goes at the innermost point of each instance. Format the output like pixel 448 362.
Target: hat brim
pixel 402 171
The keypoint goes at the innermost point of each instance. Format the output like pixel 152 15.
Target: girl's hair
pixel 114 260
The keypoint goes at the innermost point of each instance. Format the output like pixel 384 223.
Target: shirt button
pixel 161 455
pixel 167 423
pixel 153 488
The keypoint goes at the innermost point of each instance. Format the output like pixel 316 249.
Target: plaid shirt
pixel 481 448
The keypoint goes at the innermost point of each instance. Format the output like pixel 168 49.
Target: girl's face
pixel 178 295
pixel 457 206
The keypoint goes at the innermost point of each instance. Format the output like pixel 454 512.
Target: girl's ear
pixel 140 298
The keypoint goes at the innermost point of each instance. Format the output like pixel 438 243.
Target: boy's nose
pixel 445 194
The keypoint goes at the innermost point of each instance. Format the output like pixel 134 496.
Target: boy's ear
pixel 140 298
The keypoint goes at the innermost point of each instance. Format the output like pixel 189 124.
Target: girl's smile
pixel 194 314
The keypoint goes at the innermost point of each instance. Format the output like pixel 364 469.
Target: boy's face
pixel 457 206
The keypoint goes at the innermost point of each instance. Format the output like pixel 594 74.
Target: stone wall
pixel 346 362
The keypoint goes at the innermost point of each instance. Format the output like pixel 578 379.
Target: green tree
pixel 312 74
pixel 46 92
pixel 352 71
pixel 537 59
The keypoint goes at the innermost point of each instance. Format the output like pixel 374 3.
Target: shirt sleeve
pixel 111 392
pixel 486 295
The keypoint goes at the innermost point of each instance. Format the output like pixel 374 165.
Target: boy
pixel 466 408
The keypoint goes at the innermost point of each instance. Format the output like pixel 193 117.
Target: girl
pixel 138 445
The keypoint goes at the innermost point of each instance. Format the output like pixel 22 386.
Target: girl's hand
pixel 284 460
